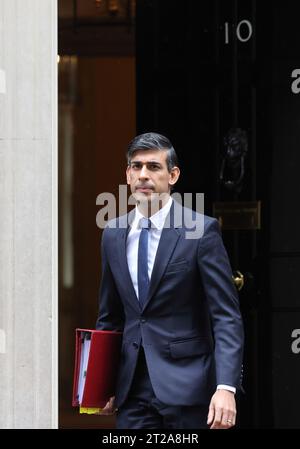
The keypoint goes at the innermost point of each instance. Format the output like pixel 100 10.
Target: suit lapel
pixel 168 241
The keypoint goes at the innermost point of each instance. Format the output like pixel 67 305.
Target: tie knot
pixel 145 223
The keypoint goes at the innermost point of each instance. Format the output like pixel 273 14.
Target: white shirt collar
pixel 157 219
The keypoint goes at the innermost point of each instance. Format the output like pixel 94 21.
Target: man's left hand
pixel 222 410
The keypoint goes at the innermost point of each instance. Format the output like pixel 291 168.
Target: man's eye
pixel 150 166
pixel 153 167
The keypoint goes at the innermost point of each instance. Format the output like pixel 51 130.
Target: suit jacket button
pixel 143 320
pixel 135 345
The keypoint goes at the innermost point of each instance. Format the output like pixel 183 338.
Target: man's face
pixel 148 174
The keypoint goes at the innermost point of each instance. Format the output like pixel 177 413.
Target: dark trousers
pixel 142 410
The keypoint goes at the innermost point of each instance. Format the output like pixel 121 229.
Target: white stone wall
pixel 28 148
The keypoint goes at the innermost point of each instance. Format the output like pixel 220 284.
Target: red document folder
pixel 97 357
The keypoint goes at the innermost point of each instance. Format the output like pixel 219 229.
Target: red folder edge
pixel 102 369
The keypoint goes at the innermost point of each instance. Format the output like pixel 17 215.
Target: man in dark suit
pixel 171 293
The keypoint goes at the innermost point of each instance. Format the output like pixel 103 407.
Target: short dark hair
pixel 153 141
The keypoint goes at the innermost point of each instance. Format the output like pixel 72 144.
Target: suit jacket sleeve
pixel 223 304
pixel 111 313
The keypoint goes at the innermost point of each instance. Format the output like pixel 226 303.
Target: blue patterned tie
pixel 143 278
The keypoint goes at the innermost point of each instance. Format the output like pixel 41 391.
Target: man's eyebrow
pixel 148 162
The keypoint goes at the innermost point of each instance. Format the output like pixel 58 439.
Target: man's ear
pixel 175 172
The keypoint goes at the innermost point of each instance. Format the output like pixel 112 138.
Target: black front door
pixel 222 80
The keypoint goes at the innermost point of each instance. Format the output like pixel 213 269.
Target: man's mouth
pixel 144 188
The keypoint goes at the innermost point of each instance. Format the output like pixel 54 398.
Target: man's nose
pixel 144 172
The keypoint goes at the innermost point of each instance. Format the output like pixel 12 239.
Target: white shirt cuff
pixel 226 387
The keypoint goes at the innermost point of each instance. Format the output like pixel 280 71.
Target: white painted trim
pixel 2 82
pixel 54 77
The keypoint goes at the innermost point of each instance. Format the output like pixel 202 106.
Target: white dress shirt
pixel 132 244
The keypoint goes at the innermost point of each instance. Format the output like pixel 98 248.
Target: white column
pixel 28 230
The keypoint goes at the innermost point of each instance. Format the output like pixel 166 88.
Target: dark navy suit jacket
pixel 190 326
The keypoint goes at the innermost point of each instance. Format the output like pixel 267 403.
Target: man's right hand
pixel 109 408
